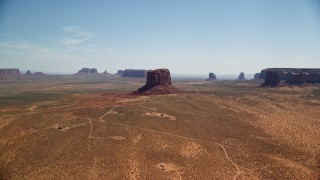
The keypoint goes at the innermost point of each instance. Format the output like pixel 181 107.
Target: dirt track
pixel 229 135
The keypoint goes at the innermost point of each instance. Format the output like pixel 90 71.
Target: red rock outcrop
pixel 158 82
pixel 272 79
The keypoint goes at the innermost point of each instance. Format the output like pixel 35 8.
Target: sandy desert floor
pixel 93 129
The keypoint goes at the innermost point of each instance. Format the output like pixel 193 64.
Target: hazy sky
pixel 195 37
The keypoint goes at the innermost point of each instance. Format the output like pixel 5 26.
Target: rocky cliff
pixel 158 82
pixel 256 76
pixel 271 79
pixel 283 72
pixel 294 75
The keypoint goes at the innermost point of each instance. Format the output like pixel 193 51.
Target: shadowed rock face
pixel 312 78
pixel 284 72
pixel 212 77
pixel 87 71
pixel 158 82
pixel 272 79
pixel 241 76
pixel 300 78
pixel 294 78
pixel 134 73
pixel 294 75
pixel 256 76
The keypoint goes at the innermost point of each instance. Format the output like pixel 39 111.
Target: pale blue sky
pixel 196 37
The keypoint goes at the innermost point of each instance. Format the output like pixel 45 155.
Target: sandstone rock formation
pixel 87 71
pixel 283 72
pixel 241 76
pixel 212 77
pixel 256 76
pixel 134 73
pixel 9 73
pixel 294 75
pixel 158 82
pixel 271 79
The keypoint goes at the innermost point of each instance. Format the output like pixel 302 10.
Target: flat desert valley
pixel 93 128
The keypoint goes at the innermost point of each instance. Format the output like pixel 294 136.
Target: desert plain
pixel 66 127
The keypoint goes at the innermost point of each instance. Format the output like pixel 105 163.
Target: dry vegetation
pixel 92 129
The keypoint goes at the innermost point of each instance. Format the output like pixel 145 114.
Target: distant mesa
pixel 87 71
pixel 293 75
pixel 39 74
pixel 158 82
pixel 137 73
pixel 9 73
pixel 256 76
pixel 212 77
pixel 283 72
pixel 29 73
pixel 119 72
pixel 241 76
pixel 105 72
pixel 271 79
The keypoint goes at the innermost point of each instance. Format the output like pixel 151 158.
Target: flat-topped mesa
pixel 294 75
pixel 9 73
pixel 212 77
pixel 271 79
pixel 158 82
pixel 283 72
pixel 134 73
pixel 241 76
pixel 87 71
